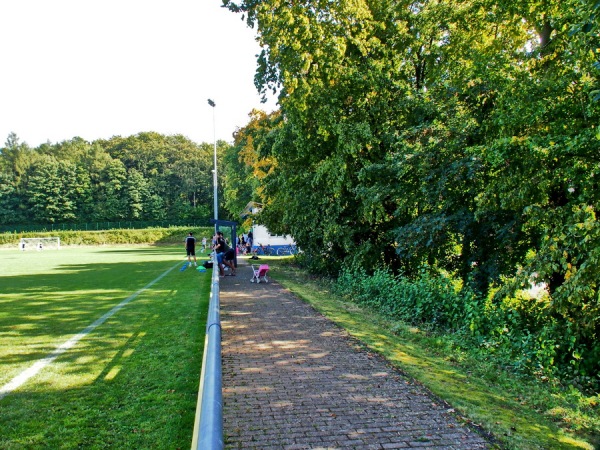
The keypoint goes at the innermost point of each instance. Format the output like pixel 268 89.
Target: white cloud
pixel 98 68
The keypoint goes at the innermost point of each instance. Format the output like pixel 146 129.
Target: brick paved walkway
pixel 293 380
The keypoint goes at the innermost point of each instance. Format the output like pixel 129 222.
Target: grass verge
pixel 130 383
pixel 510 409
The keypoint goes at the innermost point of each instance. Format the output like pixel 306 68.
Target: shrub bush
pixel 519 331
pixel 431 298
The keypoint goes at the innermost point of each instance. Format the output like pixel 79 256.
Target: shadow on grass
pixel 40 310
pixel 131 383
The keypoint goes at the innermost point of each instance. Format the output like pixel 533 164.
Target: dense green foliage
pixel 517 332
pixel 459 136
pixel 143 177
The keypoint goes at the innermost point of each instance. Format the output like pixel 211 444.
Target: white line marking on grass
pixel 22 378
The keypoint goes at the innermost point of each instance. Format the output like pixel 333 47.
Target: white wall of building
pixel 263 237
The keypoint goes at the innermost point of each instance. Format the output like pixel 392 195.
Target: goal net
pixel 41 243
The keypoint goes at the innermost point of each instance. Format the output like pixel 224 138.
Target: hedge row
pixel 157 236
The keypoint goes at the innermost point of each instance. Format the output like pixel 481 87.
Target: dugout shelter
pixel 232 238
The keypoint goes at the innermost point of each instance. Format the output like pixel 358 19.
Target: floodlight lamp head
pixel 211 103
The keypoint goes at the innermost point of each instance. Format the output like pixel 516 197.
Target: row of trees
pixel 148 176
pixel 459 135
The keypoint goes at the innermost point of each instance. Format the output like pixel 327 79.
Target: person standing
pixel 220 248
pixel 190 248
pixel 204 244
pixel 251 238
pixel 228 258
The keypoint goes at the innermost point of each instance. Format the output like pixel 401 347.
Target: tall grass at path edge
pixel 519 413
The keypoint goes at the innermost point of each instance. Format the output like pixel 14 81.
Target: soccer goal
pixel 40 243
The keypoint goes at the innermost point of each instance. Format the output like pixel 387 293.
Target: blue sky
pixel 100 68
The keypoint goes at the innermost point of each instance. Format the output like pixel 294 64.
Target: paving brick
pixel 396 445
pixel 293 380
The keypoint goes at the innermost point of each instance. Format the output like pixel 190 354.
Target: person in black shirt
pixel 228 258
pixel 190 248
pixel 220 248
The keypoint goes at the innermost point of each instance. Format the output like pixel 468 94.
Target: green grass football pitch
pixel 99 347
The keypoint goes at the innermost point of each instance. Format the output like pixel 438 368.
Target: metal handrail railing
pixel 208 425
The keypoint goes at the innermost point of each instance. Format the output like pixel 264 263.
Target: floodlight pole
pixel 215 194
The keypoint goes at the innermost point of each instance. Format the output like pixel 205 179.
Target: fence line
pixel 208 424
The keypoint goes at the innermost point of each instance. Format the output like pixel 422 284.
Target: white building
pixel 261 235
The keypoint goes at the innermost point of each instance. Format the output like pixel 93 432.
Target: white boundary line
pixel 24 376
